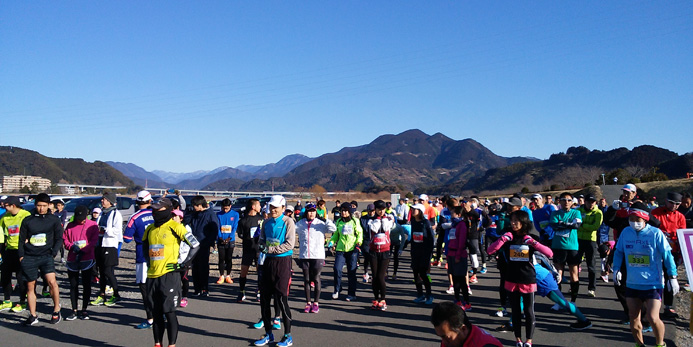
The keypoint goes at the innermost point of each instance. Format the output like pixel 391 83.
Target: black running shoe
pixel 72 316
pixel 31 320
pixel 581 325
pixel 56 318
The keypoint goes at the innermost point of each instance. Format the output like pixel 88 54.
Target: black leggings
pixel 422 280
pixel 281 305
pixel 108 277
pixel 186 283
pixel 311 273
pixel 11 265
pixel 143 290
pixel 171 325
pixel 459 285
pixel 502 292
pixel 518 299
pixel 225 259
pixel 73 276
pixel 379 263
pixel 395 259
pixel 439 243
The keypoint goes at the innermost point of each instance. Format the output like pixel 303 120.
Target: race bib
pixel 451 235
pixel 156 252
pixel 543 224
pixel 381 239
pixel 272 242
pixel 253 231
pixel 639 260
pixel 417 237
pixel 38 240
pixel 13 230
pixel 81 243
pixel 519 253
pixel 348 229
pixel 563 233
pixel 226 229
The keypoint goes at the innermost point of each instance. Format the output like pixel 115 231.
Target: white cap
pixel 423 197
pixel 506 200
pixel 290 208
pixel 419 207
pixel 630 187
pixel 144 196
pixel 537 196
pixel 277 201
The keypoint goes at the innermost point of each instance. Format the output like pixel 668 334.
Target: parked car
pixel 240 203
pixel 125 205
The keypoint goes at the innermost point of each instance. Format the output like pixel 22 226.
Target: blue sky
pixel 225 83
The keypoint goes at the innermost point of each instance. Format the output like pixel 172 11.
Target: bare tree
pixel 636 171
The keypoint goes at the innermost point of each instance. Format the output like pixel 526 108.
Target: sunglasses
pixel 564 199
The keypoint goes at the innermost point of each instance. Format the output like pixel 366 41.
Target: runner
pixel 10 223
pixel 345 242
pixel 226 242
pixel 474 219
pixel 80 239
pixel 205 227
pixel 277 238
pixel 311 232
pixel 398 239
pixel 178 216
pixel 40 237
pixel 644 249
pixel 62 215
pixel 422 244
pixel 671 220
pixel 134 231
pixel 592 219
pixel 565 223
pixel 455 330
pixel 379 228
pixel 511 205
pixel 457 257
pixel 247 228
pixel 366 243
pixel 520 275
pixel 110 223
pixel 161 243
pixel 541 217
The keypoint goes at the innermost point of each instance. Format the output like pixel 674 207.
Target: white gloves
pixel 617 278
pixel 673 286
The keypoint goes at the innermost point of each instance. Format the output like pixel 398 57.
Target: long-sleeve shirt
pixel 564 237
pixel 10 225
pixel 348 235
pixel 111 228
pixel 279 236
pixel 134 231
pixel 40 235
pixel 379 229
pixel 457 240
pixel 205 226
pixel 670 221
pixel 311 237
pixel 228 224
pixel 85 236
pixel 644 252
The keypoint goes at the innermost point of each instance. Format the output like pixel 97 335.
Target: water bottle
pixel 261 259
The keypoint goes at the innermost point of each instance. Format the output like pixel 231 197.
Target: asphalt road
pixel 219 321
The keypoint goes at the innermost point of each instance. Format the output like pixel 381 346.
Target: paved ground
pixel 218 321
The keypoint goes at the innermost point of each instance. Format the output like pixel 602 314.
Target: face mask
pixel 637 225
pixel 161 217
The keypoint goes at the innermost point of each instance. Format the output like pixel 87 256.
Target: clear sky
pixel 186 85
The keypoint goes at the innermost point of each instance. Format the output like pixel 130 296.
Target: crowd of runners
pixel 530 240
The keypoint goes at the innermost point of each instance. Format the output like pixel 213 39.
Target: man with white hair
pixel 277 240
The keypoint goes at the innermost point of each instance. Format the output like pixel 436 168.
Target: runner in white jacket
pixel 311 257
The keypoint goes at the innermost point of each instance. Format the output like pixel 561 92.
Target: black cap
pixel 590 197
pixel 674 197
pixel 380 204
pixel 514 201
pixel 163 202
pixel 345 206
pixel 13 200
pixel 370 207
pixel 81 213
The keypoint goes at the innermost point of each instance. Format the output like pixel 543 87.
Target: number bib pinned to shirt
pixel 639 260
pixel 519 253
pixel 417 237
pixel 226 229
pixel 81 243
pixel 156 252
pixel 38 240
pixel 381 239
pixel 13 230
pixel 348 229
pixel 563 233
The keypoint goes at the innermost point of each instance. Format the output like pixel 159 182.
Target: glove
pixel 358 249
pixel 75 249
pixel 673 286
pixel 507 237
pixel 330 244
pixel 173 266
pixel 262 248
pixel 577 222
pixel 617 279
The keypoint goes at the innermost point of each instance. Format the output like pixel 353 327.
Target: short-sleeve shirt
pixel 164 244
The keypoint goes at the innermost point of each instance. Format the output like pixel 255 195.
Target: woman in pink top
pixel 80 239
pixel 517 248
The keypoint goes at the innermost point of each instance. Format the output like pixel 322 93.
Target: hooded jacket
pixel 311 237
pixel 40 235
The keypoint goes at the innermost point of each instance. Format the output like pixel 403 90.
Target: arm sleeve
pixel 496 245
pixel 22 238
pixel 331 228
pixel 543 249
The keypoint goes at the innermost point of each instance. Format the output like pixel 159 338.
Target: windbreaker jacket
pixel 348 235
pixel 591 221
pixel 113 232
pixel 644 252
pixel 311 237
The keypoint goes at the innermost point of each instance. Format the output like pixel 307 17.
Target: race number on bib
pixel 38 240
pixel 348 229
pixel 563 233
pixel 13 230
pixel 226 229
pixel 381 239
pixel 81 243
pixel 417 237
pixel 519 253
pixel 156 252
pixel 639 260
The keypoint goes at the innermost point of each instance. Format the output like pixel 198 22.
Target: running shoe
pixel 451 290
pixel 184 302
pixel 312 284
pixel 241 297
pixel 98 302
pixel 664 344
pixel 204 293
pixel 72 316
pixel 669 313
pixel 266 339
pixel 556 307
pixel 446 266
pixel 350 298
pixel 45 293
pixel 56 317
pixel 6 305
pixel 31 320
pixel 473 279
pixel 382 306
pixel 335 296
pixel 581 325
pixel 591 293
pixel 259 325
pixel 483 270
pixel 469 290
pixel 220 280
pixel 257 296
pixel 467 307
pixel 527 344
pixel 420 299
pixel 144 325
pixel 109 290
pixel 435 263
pixel 519 344
pixel 429 300
pixel 307 308
pixel 84 315
pixel 605 278
pixel 229 280
pixel 505 328
pixel 286 341
pixel 501 312
pixel 276 323
pixel 460 304
pixel 18 308
pixel 366 278
pixel 647 329
pixel 374 306
pixel 315 308
pixel 440 263
pixel 112 301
